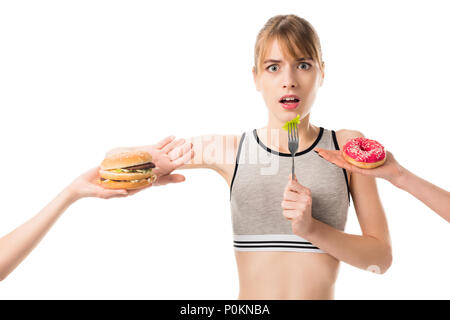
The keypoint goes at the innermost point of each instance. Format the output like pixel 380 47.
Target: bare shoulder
pixel 344 135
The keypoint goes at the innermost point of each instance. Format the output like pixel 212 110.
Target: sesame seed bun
pixel 124 158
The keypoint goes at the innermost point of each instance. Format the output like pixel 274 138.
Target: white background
pixel 80 77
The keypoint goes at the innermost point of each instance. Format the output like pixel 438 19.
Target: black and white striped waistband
pixel 273 242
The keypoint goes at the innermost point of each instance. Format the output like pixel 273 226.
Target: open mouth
pixel 290 104
pixel 289 101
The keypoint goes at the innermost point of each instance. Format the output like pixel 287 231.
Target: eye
pixel 270 67
pixel 307 64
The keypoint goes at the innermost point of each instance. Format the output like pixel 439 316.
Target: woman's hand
pixel 167 155
pixel 296 204
pixel 391 170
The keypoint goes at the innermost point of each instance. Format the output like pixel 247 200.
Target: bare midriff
pixel 286 275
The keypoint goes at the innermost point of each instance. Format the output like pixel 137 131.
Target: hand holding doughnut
pixel 391 170
pixel 437 199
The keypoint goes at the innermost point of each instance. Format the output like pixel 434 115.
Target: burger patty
pixel 143 166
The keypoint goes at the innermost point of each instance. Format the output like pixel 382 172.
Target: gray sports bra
pixel 257 188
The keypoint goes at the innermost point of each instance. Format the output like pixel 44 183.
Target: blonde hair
pixel 295 35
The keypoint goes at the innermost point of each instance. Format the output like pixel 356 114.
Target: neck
pixel 276 138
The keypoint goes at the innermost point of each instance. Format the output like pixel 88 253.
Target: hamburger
pixel 127 169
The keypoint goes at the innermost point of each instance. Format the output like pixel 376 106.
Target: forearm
pixel 364 252
pixel 15 246
pixel 435 198
pixel 210 152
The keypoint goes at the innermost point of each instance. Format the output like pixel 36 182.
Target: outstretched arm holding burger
pixel 15 246
pixel 437 199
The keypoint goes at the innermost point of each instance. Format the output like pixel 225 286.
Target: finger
pixel 290 214
pixel 94 169
pixel 390 156
pixel 164 142
pixel 112 193
pixel 327 155
pixel 134 191
pixel 118 191
pixel 290 196
pixel 359 170
pixel 295 186
pixel 171 178
pixel 184 159
pixel 180 151
pixel 289 205
pixel 91 173
pixel 326 152
pixel 350 167
pixel 172 145
pixel 336 158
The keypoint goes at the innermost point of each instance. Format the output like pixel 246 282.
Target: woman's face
pixel 281 75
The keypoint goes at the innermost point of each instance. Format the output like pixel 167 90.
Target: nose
pixel 289 81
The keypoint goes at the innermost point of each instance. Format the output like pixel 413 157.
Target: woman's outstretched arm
pixel 211 151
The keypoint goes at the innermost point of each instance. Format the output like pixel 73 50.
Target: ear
pixel 255 79
pixel 322 73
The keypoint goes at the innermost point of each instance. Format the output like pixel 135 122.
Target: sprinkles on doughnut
pixel 364 153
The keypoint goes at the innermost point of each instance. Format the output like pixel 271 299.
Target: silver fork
pixel 293 142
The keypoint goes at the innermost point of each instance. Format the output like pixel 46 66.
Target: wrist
pixel 70 194
pixel 312 230
pixel 400 178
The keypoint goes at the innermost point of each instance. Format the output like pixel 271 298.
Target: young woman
pixel 288 234
pixel 15 246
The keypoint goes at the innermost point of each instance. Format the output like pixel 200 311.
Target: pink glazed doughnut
pixel 364 153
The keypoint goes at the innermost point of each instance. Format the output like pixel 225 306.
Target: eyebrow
pixel 277 61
